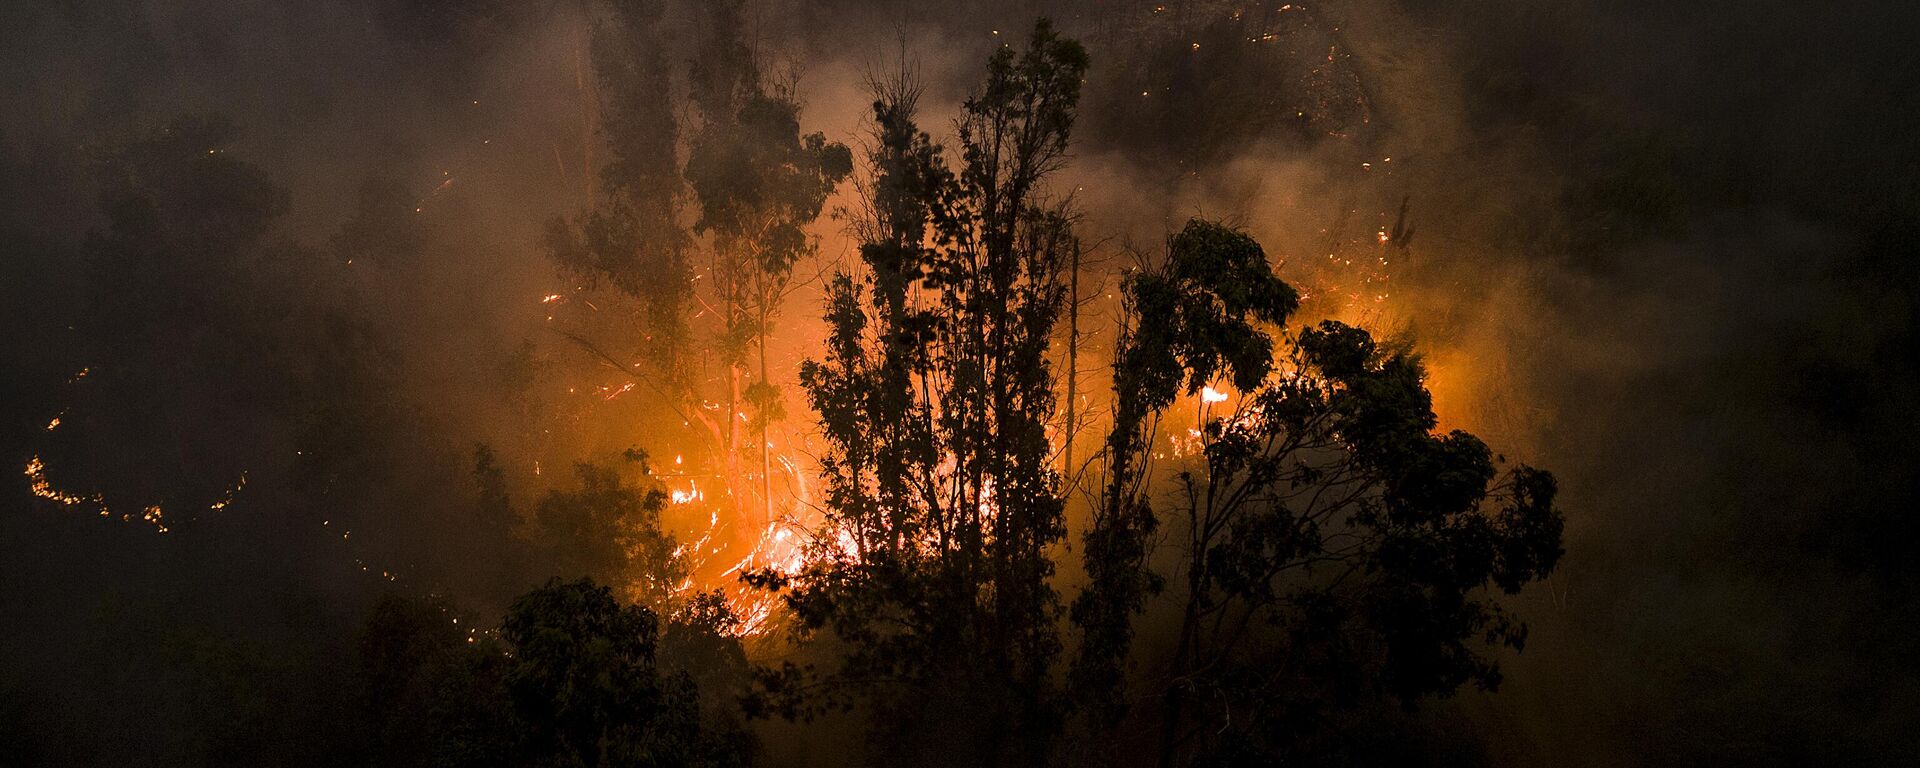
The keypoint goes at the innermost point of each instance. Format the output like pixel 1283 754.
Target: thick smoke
pixel 1662 249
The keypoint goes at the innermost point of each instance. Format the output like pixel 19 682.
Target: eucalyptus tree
pixel 935 394
pixel 732 218
pixel 758 183
pixel 1333 549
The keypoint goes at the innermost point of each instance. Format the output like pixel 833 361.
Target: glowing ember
pixel 226 500
pixel 38 483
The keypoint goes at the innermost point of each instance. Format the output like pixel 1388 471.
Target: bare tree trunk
pixel 589 103
pixel 730 309
pixel 766 452
pixel 1173 718
pixel 1073 355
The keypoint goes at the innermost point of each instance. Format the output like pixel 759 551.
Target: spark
pixel 419 205
pixel 226 500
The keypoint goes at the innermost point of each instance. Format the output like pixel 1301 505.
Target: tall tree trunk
pixel 1174 717
pixel 766 452
pixel 589 103
pixel 1073 356
pixel 730 307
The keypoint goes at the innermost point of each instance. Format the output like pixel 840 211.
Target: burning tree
pixel 759 183
pixel 756 183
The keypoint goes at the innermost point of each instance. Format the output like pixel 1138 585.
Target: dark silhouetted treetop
pixel 584 681
pixel 934 394
pixel 1334 548
pixel 1194 319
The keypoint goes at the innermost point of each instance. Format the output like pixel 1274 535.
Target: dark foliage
pixel 1333 548
pixel 933 568
pixel 571 678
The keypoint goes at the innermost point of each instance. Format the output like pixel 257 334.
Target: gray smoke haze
pixel 1665 250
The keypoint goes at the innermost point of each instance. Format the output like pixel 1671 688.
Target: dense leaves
pixel 609 529
pixel 1192 321
pixel 1334 549
pixel 572 678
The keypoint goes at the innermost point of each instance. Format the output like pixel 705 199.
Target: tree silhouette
pixel 1333 548
pixel 934 395
pixel 608 529
pixel 585 683
pixel 1191 322
pixel 571 678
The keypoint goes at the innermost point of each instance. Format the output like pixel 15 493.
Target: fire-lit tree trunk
pixel 1073 358
pixel 765 447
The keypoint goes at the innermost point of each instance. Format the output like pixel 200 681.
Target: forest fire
pixel 722 383
pixel 713 552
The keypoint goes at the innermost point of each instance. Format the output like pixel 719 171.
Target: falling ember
pixel 613 392
pixel 420 204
